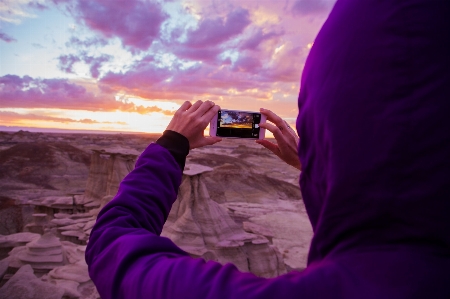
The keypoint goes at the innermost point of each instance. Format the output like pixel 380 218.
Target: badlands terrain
pixel 238 203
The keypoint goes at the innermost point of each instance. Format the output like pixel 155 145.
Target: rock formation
pixel 8 242
pixel 25 285
pixel 203 228
pixel 107 170
pixel 43 165
pixel 42 254
pixel 237 203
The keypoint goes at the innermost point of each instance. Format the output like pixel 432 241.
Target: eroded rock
pixel 203 228
pixel 25 285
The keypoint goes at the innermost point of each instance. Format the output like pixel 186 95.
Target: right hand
pixel 287 140
pixel 190 120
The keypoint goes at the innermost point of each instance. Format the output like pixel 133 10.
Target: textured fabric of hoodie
pixel 374 127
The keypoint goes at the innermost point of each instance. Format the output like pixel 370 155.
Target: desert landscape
pixel 238 203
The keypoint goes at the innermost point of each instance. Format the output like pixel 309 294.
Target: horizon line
pixel 56 130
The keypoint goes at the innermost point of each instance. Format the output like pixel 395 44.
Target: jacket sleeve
pixel 128 259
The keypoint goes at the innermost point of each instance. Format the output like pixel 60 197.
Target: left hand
pixel 191 120
pixel 287 139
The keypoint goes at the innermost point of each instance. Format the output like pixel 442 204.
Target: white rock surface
pixel 42 254
pixel 202 227
pixel 292 235
pixel 73 252
pixel 107 170
pixel 77 272
pixel 25 285
pixel 194 169
pixel 18 239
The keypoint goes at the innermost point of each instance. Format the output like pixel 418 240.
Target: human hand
pixel 190 120
pixel 287 139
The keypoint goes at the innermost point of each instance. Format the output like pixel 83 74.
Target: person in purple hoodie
pixel 374 127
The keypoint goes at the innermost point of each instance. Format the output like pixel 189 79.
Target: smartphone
pixel 237 124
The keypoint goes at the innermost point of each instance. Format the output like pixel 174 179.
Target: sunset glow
pixel 127 65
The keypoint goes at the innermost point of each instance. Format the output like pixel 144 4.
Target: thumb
pixel 270 146
pixel 212 140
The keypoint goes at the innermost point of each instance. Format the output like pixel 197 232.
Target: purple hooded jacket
pixel 374 123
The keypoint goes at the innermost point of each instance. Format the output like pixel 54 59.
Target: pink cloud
pixel 146 75
pixel 205 42
pixel 184 84
pixel 247 64
pixel 257 38
pixel 251 71
pixel 95 63
pixel 6 38
pixel 206 55
pixel 26 92
pixel 136 23
pixel 286 67
pixel 305 7
pixel 212 32
pixel 66 62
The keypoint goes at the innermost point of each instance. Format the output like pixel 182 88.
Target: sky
pixel 127 65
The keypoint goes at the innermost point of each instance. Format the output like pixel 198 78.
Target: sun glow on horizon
pixel 152 122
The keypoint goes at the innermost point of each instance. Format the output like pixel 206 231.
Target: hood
pixel 374 127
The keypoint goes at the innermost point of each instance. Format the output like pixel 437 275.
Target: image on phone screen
pixel 241 124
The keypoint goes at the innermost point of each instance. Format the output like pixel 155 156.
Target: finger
pixel 273 129
pixel 212 140
pixel 270 146
pixel 185 106
pixel 204 108
pixel 208 116
pixel 207 141
pixel 195 106
pixel 273 118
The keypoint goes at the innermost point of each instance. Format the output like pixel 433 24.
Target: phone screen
pixel 241 124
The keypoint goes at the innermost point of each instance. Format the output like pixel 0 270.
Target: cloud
pixel 181 84
pixel 89 42
pixel 206 55
pixel 206 41
pixel 9 117
pixel 27 92
pixel 66 62
pixel 136 23
pixel 145 76
pixel 247 64
pixel 39 5
pixel 37 46
pixel 13 11
pixel 286 65
pixel 251 73
pixel 6 38
pixel 212 32
pixel 144 110
pixel 257 37
pixel 96 63
pixel 305 7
